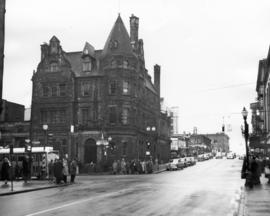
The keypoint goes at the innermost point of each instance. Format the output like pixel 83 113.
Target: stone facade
pixel 89 95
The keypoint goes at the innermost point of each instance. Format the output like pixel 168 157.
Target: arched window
pixel 113 63
pixel 125 64
pixel 126 88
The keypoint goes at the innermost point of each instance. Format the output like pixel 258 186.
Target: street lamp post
pixel 45 128
pixel 150 129
pixel 245 131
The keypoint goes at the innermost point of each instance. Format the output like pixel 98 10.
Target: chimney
pixel 44 50
pixel 157 78
pixel 134 29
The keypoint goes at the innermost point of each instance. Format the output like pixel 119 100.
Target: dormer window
pixel 87 66
pixel 53 67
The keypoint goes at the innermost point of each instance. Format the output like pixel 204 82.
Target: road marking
pixel 79 201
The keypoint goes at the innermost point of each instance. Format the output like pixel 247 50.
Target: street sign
pixel 36 142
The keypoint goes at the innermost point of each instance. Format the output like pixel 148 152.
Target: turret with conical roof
pixel 118 41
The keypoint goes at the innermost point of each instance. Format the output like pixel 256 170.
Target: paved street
pixel 209 188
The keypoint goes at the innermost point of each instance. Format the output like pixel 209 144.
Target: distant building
pixel 13 129
pixel 219 141
pixel 201 141
pixel 259 139
pixel 173 112
pixel 11 112
pixel 14 133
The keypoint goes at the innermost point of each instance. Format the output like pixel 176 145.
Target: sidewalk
pixel 256 201
pixel 21 187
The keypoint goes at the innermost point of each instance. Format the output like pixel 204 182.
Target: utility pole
pixel 2 43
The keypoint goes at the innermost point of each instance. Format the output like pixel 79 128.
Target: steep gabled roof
pixel 89 49
pixel 118 41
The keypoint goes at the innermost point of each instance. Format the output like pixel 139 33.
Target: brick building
pixel 88 96
pixel 219 142
pixel 12 112
pixel 13 127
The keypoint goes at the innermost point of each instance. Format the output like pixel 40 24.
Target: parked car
pixel 219 155
pixel 190 161
pixel 175 164
pixel 201 157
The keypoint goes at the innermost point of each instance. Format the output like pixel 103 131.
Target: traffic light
pixel 112 145
pixel 223 128
pixel 27 148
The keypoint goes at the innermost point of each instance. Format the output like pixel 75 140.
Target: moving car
pixel 175 164
pixel 230 155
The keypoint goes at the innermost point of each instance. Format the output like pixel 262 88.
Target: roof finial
pixel 119 7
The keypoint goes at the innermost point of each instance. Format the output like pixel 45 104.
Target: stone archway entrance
pixel 90 151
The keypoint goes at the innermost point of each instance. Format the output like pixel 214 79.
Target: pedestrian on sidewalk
pixel 73 170
pixel 123 166
pixel 26 168
pixel 58 171
pixel 255 171
pixel 65 170
pixel 114 166
pixel 5 170
pixel 50 167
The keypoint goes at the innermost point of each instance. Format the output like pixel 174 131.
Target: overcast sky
pixel 208 49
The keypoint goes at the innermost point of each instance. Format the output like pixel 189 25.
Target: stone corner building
pixel 100 93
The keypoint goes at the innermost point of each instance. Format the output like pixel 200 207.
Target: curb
pixel 159 171
pixel 32 189
pixel 242 204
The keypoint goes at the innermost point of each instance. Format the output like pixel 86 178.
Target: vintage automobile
pixel 175 164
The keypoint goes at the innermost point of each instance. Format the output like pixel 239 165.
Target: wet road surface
pixel 209 188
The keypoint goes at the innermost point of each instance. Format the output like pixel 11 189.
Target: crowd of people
pixel 12 170
pixel 135 166
pixel 253 170
pixel 59 169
